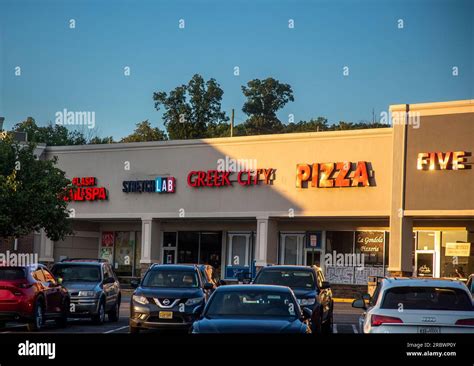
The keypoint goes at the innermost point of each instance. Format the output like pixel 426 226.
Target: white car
pixel 414 305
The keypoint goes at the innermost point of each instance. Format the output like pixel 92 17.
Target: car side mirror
pixel 222 283
pixel 208 286
pixel 307 313
pixel 325 285
pixel 134 283
pixel 359 304
pixel 198 311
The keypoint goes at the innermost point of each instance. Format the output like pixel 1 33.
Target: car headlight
pixel 307 301
pixel 140 299
pixel 193 301
pixel 86 293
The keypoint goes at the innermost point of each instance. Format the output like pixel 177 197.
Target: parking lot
pixel 345 321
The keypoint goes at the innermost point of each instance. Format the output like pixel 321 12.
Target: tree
pixel 31 193
pixel 313 125
pixel 264 99
pixel 52 135
pixel 192 111
pixel 144 132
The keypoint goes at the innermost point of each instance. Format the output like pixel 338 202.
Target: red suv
pixel 31 294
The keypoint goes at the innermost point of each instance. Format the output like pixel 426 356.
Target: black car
pixel 169 297
pixel 310 287
pixel 252 309
pixel 93 287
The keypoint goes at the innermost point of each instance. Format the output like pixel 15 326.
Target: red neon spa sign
pixel 84 189
pixel 217 178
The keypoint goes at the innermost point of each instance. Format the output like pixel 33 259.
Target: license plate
pixel 429 330
pixel 166 315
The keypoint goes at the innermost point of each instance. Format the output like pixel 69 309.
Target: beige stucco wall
pixel 281 152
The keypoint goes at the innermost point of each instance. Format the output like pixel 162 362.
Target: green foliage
pixel 192 111
pixel 144 132
pixel 52 135
pixel 31 193
pixel 264 99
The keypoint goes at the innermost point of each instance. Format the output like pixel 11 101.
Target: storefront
pixel 358 203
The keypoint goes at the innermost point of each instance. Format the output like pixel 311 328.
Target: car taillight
pixel 377 320
pixel 465 322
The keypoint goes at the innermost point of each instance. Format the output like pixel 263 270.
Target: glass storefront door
pixel 425 263
pixel 124 253
pixel 292 248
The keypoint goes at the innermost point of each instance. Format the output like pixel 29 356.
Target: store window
pixel 188 247
pixel 239 255
pixel 352 256
pixel 457 257
pixel 371 245
pixel 124 253
pixel 292 248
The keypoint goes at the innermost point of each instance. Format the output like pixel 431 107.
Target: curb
pixel 342 300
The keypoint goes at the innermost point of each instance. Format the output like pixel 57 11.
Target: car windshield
pixel 171 278
pixel 12 273
pixel 252 303
pixel 427 298
pixel 291 278
pixel 74 272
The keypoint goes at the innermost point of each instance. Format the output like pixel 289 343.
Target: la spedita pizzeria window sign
pixel 332 175
pixel 85 189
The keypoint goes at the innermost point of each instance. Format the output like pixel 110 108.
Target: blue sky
pixel 81 69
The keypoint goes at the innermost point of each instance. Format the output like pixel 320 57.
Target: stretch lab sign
pixel 157 185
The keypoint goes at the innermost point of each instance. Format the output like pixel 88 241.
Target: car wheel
pixel 134 330
pixel 38 318
pixel 114 314
pixel 62 321
pixel 99 318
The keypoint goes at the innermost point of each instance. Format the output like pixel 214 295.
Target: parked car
pixel 310 287
pixel 32 295
pixel 412 305
pixel 168 297
pixel 252 309
pixel 93 287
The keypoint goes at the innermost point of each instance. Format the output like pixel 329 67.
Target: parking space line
pixel 116 330
pixel 354 329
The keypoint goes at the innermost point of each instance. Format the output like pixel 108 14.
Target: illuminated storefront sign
pixel 458 249
pixel 85 190
pixel 158 185
pixel 329 175
pixel 216 178
pixel 451 160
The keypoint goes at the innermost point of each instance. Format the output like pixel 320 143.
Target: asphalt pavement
pixel 345 321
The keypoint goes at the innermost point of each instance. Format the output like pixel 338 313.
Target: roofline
pixel 437 108
pixel 370 132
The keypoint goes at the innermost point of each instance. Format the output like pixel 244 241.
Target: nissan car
pixel 169 297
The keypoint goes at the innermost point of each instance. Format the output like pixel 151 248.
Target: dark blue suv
pixel 310 287
pixel 168 297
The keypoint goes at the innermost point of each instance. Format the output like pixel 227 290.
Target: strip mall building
pixel 402 196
